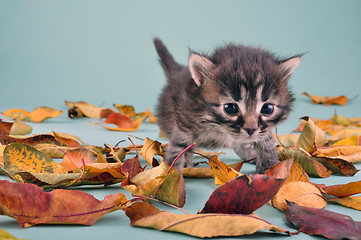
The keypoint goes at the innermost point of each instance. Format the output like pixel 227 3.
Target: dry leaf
pixel 348 153
pixel 136 124
pixel 343 190
pixel 222 173
pixel 38 115
pixel 302 193
pixel 339 100
pixel 55 207
pixel 351 202
pixel 245 194
pixel 83 109
pixel 199 225
pixel 329 224
pixel 149 149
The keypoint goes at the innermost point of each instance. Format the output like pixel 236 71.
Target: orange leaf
pixel 347 153
pixel 136 125
pixel 343 190
pixel 120 120
pixel 340 100
pixel 30 205
pixel 42 113
pixel 303 193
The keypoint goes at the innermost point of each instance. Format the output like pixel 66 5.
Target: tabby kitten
pixel 231 98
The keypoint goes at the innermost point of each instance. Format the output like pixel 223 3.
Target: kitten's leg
pixel 266 153
pixel 246 152
pixel 177 143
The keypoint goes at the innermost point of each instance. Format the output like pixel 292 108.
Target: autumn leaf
pixel 38 115
pixel 142 214
pixel 351 202
pixel 222 173
pixel 343 190
pixel 149 149
pixel 348 153
pixel 339 100
pixel 329 224
pixel 168 187
pixel 75 158
pixel 55 207
pixel 83 109
pixel 17 127
pixel 30 140
pixel 134 126
pixel 303 193
pixel 243 195
pixel 19 157
pixel 310 137
pixel 132 167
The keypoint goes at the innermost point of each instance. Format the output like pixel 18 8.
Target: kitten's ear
pixel 288 66
pixel 200 68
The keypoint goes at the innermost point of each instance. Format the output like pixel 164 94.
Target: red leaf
pixel 243 195
pixel 132 167
pixel 329 224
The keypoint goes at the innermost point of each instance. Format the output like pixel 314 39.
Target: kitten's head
pixel 245 89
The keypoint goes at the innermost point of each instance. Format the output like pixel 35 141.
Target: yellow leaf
pixel 303 193
pixel 222 173
pixel 350 141
pixel 149 149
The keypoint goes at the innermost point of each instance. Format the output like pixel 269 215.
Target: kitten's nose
pixel 250 131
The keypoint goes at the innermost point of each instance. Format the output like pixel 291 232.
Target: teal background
pixel 102 52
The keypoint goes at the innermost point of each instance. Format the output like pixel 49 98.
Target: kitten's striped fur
pixel 224 100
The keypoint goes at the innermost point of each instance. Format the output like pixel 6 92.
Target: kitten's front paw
pixel 264 164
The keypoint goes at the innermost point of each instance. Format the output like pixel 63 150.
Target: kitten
pixel 232 98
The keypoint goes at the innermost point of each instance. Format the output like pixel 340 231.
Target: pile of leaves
pixel 43 166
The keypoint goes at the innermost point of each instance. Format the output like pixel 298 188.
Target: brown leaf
pixel 55 207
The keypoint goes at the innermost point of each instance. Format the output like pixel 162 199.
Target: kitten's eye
pixel 267 108
pixel 231 108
